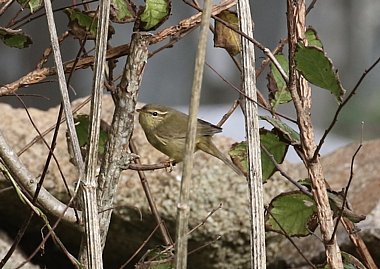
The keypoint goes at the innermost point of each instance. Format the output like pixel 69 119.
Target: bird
pixel 165 128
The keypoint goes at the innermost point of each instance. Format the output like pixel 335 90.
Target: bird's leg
pixel 169 165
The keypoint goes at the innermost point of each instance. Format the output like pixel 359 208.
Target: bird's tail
pixel 210 148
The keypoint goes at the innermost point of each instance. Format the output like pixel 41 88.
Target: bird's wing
pixel 179 127
pixel 206 128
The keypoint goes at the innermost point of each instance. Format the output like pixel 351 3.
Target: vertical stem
pixel 121 127
pixel 257 233
pixel 301 94
pixel 183 208
pixel 63 87
pixel 91 249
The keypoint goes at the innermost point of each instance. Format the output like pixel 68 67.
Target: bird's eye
pixel 154 114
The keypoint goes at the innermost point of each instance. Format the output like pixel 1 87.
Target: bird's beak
pixel 138 110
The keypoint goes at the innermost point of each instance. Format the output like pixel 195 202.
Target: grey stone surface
pixel 213 184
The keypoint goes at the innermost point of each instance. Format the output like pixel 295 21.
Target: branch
pixel 121 129
pixel 40 214
pixel 255 186
pixel 183 26
pixel 63 87
pixel 91 249
pixel 183 207
pixel 301 95
pixel 29 184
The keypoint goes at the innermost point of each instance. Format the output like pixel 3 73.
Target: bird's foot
pixel 169 164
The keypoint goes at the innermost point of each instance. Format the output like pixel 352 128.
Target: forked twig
pixel 203 222
pixel 341 106
pixel 140 247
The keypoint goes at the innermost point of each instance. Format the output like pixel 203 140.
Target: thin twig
pixel 203 246
pixel 341 106
pixel 47 236
pixel 260 104
pixel 50 148
pixel 264 49
pixel 290 239
pixel 225 117
pixel 36 211
pixel 5 6
pixel 149 196
pixel 183 208
pixel 203 222
pixel 346 189
pixel 148 167
pixel 13 25
pixel 51 128
pixel 63 87
pixel 140 247
pixel 279 168
pixel 5 189
pixel 49 50
pixel 310 7
pixel 359 243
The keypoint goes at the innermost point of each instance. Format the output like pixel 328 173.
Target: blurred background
pixel 349 30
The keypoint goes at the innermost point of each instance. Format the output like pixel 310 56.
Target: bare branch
pixel 183 208
pixel 38 75
pixel 63 87
pixel 121 127
pixel 91 247
pixel 29 184
pixel 301 95
pixel 255 186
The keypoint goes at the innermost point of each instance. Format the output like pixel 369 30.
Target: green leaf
pixel 275 145
pixel 318 69
pixel 33 5
pixel 224 37
pixel 82 124
pixel 155 13
pixel 289 134
pixel 15 38
pixel 238 154
pixel 84 24
pixel 122 11
pixel 296 213
pixel 279 92
pixel 350 261
pixel 312 38
pixel 272 142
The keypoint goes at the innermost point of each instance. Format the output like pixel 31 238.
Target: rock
pixel 213 184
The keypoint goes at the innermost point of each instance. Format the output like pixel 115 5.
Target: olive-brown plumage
pixel 165 128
